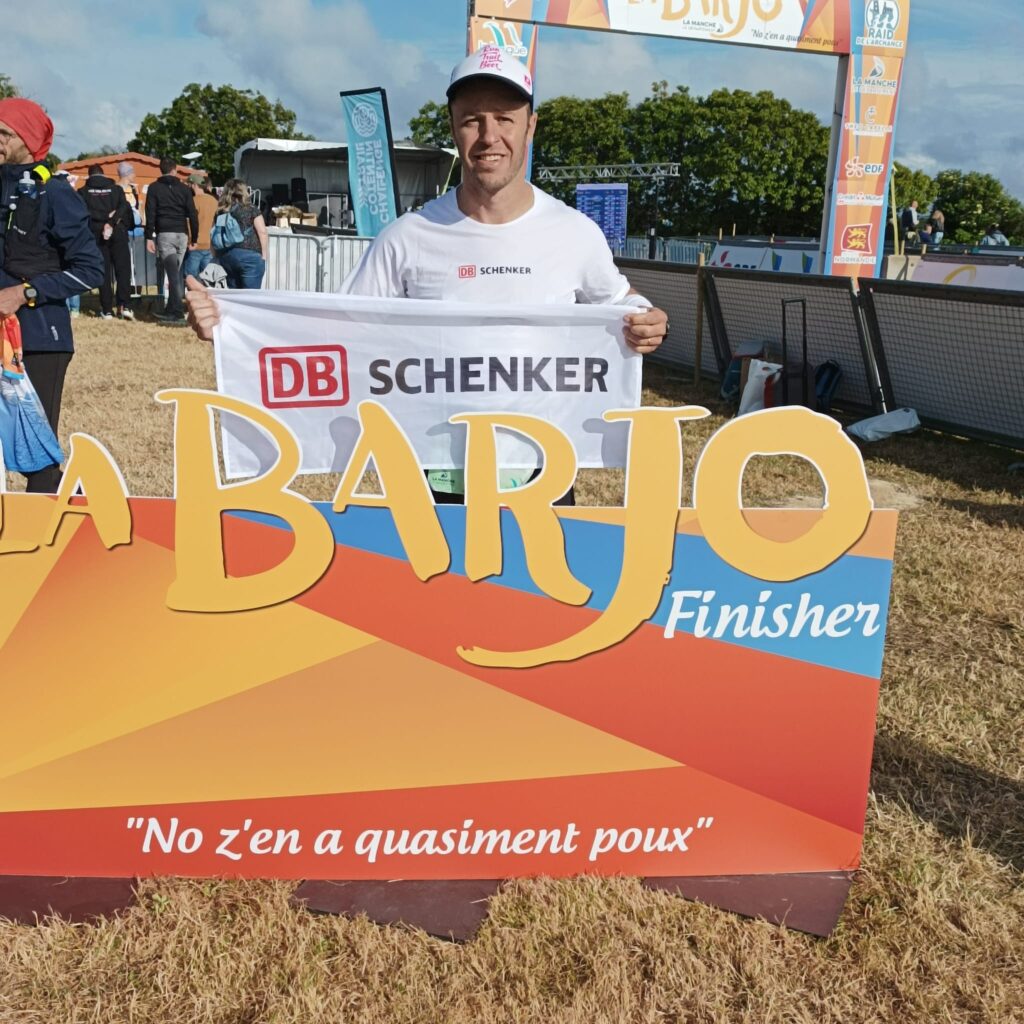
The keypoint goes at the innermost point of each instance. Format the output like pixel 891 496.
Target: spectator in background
pixel 110 218
pixel 938 226
pixel 909 222
pixel 135 199
pixel 245 263
pixel 200 252
pixel 171 223
pixel 56 257
pixel 925 235
pixel 994 236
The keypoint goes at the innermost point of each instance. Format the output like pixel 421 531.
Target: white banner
pixel 310 359
pixel 971 275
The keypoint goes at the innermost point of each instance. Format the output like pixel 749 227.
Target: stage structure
pixel 868 36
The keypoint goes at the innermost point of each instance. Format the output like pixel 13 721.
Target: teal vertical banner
pixel 371 168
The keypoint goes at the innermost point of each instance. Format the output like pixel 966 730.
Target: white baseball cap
pixel 493 62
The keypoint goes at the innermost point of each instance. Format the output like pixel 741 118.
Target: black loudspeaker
pixel 278 194
pixel 299 191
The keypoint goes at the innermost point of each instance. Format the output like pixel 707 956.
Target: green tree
pixel 432 126
pixel 911 185
pixel 215 121
pixel 759 164
pixel 665 127
pixel 7 87
pixel 972 201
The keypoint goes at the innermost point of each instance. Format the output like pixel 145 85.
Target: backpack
pixel 227 231
pixel 26 253
pixel 827 378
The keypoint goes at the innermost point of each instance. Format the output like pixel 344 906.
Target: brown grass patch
pixel 934 928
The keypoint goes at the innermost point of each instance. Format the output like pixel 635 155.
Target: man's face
pixel 12 147
pixel 493 127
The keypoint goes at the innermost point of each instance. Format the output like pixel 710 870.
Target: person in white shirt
pixel 496 238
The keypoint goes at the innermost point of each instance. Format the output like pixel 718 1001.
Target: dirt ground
pixel 934 927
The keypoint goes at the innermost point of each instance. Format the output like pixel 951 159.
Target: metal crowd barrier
pixel 954 354
pixel 311 263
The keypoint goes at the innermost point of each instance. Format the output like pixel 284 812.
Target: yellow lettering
pixel 92 466
pixel 671 13
pixel 405 489
pixel 201 584
pixel 718 492
pixel 651 510
pixel 543 540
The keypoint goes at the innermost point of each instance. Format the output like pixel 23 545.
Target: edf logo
pixel 295 378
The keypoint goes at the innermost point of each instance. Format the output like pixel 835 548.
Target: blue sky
pixel 100 67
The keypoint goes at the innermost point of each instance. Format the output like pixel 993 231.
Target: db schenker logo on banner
pixel 296 377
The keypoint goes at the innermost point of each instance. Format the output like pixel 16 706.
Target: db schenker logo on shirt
pixel 469 270
pixel 298 377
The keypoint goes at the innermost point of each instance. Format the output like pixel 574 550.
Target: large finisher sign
pixel 311 359
pixel 250 684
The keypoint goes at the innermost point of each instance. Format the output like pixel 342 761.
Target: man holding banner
pixel 494 240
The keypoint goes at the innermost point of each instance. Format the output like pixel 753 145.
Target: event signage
pixel 248 683
pixel 821 26
pixel 427 360
pixel 606 205
pixel 871 36
pixel 371 169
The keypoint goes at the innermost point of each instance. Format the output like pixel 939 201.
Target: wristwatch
pixel 31 295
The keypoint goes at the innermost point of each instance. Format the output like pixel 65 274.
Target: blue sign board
pixel 606 206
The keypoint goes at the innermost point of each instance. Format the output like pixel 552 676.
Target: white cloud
pixel 324 50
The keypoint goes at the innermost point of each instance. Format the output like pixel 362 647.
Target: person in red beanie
pixel 47 254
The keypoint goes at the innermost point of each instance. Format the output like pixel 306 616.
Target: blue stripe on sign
pixel 594 555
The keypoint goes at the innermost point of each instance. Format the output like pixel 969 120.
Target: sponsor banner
pixel 371 170
pixel 749 257
pixel 390 691
pixel 311 359
pixel 821 26
pixel 861 184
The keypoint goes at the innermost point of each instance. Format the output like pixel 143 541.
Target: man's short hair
pixel 95 169
pixel 167 165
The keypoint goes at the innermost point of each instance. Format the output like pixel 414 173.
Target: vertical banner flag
pixel 371 168
pixel 517 40
pixel 873 33
pixel 860 188
pixel 606 206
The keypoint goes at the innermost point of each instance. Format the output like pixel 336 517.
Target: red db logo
pixel 295 378
pixel 467 271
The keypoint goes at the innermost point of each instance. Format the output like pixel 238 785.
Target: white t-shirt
pixel 551 254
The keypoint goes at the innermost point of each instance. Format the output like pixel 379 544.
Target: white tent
pixel 423 171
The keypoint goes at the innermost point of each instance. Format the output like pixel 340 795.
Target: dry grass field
pixel 934 927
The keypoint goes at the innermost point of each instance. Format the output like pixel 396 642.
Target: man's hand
pixel 151 246
pixel 203 314
pixel 646 331
pixel 11 299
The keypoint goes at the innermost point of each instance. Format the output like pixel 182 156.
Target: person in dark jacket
pixel 55 258
pixel 111 218
pixel 171 224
